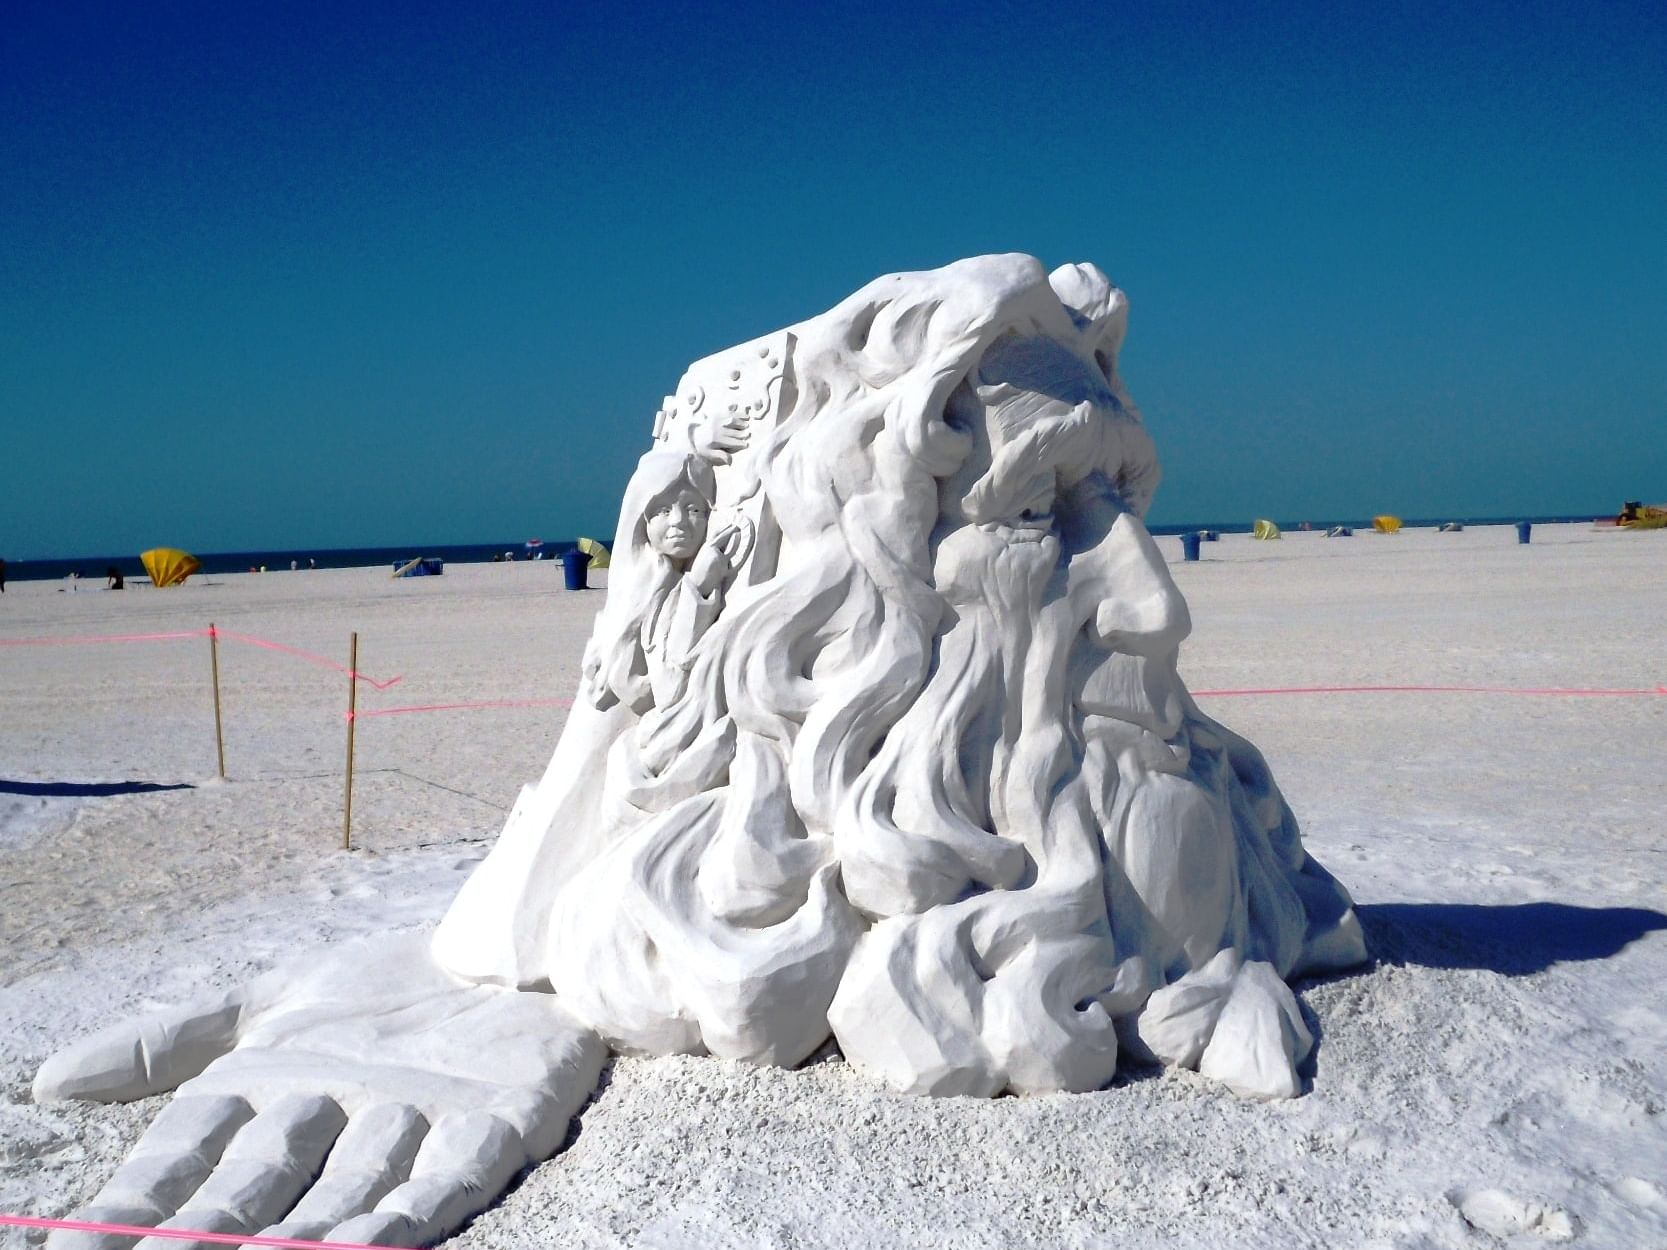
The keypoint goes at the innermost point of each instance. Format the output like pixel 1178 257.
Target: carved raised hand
pixel 718 441
pixel 713 563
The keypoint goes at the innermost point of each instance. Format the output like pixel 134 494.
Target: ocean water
pixel 275 559
pixel 278 558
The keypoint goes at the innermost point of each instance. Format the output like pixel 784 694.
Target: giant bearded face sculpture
pixel 915 767
pixel 880 735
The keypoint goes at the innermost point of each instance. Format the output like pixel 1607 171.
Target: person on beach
pixel 2 577
pixel 113 579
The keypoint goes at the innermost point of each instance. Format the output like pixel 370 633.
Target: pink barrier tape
pixel 183 1234
pixel 1541 691
pixel 322 661
pixel 265 643
pixel 455 707
pixel 68 642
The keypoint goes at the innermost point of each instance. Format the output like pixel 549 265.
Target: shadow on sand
pixel 85 789
pixel 1515 939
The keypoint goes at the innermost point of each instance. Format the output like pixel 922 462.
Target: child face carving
pixel 676 524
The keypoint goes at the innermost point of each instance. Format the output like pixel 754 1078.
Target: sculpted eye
pixel 1039 503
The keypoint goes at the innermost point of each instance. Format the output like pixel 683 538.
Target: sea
pixel 284 558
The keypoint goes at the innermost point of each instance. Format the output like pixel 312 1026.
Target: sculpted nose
pixel 1139 609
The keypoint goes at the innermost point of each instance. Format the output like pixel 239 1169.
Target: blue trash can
pixel 1524 528
pixel 573 566
pixel 1189 545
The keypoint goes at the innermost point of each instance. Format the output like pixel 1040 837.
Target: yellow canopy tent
pixel 1639 516
pixel 596 551
pixel 169 566
pixel 1264 530
pixel 1387 524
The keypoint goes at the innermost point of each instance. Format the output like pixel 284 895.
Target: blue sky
pixel 316 276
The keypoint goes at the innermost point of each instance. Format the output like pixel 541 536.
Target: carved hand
pixel 368 1097
pixel 712 563
pixel 590 678
pixel 718 441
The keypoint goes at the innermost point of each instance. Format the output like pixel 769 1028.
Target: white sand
pixel 1498 1077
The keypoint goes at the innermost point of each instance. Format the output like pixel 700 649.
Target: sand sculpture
pixel 880 737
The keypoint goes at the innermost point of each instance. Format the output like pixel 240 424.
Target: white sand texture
pixel 1496 1077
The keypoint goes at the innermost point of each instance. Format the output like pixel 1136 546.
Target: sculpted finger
pixel 467 1160
pixel 373 1154
pixel 264 1169
pixel 197 1222
pixel 138 1058
pixel 171 1161
pixel 65 1239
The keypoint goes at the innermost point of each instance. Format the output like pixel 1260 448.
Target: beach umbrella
pixel 1264 529
pixel 169 566
pixel 1387 524
pixel 596 551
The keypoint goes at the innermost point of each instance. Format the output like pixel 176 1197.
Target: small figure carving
pixel 670 581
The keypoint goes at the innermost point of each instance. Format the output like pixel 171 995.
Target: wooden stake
pixel 352 707
pixel 214 664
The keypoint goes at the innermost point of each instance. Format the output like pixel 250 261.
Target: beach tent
pixel 1640 516
pixel 1387 524
pixel 169 566
pixel 596 551
pixel 1265 529
pixel 1339 531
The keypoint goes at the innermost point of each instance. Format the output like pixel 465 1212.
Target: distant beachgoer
pixel 2 577
pixel 72 579
pixel 293 565
pixel 113 579
pixel 312 563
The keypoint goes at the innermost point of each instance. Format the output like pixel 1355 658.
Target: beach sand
pixel 1497 1076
